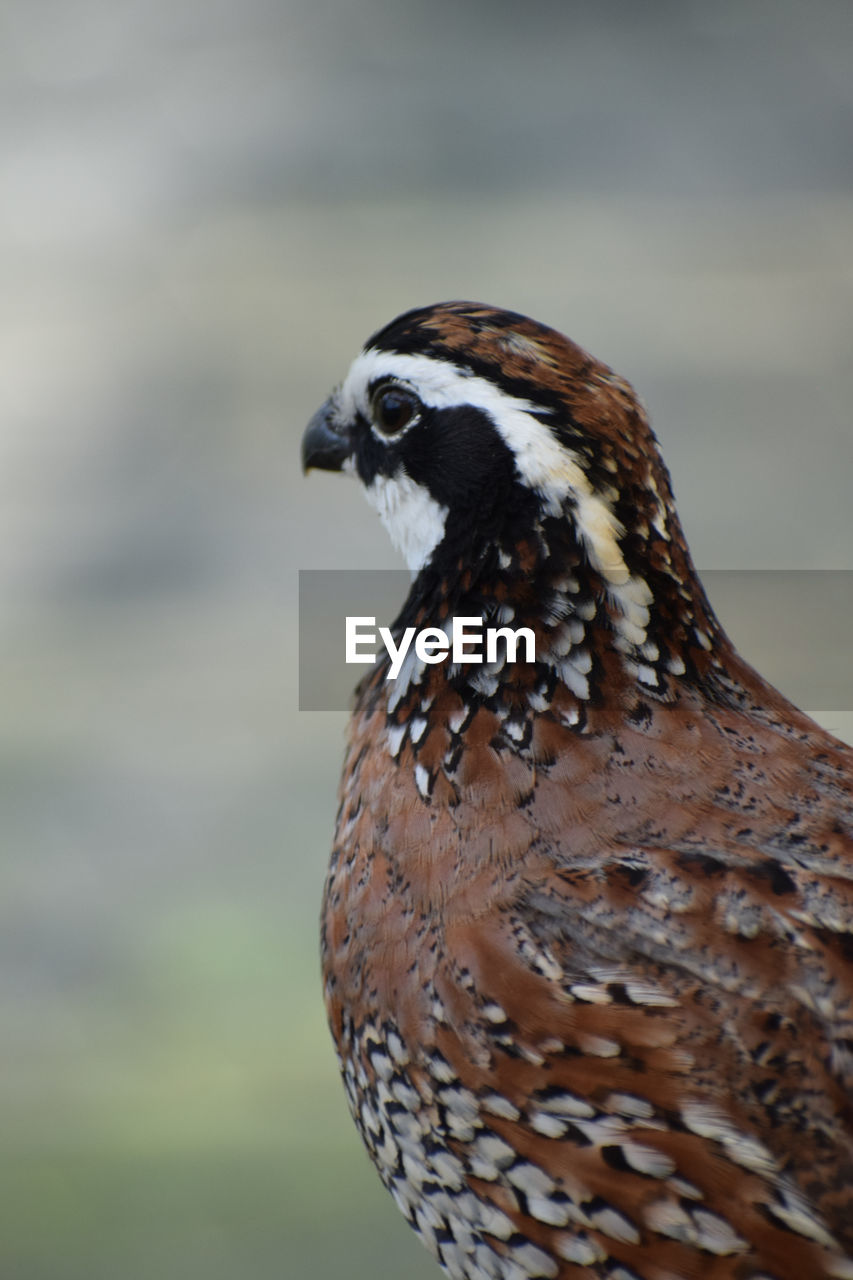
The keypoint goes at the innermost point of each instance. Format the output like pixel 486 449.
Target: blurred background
pixel 204 210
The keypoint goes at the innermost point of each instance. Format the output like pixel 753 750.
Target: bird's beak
pixel 325 445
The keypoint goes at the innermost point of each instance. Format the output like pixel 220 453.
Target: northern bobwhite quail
pixel 588 924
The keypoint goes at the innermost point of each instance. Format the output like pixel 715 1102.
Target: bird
pixel 587 928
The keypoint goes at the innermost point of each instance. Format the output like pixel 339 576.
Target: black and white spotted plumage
pixel 588 924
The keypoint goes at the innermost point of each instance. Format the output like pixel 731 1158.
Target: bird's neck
pixel 605 634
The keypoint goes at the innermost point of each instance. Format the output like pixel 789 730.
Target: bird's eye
pixel 394 408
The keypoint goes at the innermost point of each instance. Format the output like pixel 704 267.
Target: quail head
pixel 587 931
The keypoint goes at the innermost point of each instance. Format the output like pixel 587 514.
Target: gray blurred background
pixel 204 210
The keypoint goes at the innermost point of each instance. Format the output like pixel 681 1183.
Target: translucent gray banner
pixel 793 625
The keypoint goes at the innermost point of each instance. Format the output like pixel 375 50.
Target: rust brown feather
pixel 588 925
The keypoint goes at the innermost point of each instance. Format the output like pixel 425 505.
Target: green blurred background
pixel 204 210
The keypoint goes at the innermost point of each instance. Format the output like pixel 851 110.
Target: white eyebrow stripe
pixel 442 385
pixel 545 465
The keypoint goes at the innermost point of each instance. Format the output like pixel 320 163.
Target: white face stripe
pixel 543 463
pixel 414 520
pixel 442 385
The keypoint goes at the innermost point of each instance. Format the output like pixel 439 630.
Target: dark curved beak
pixel 324 444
